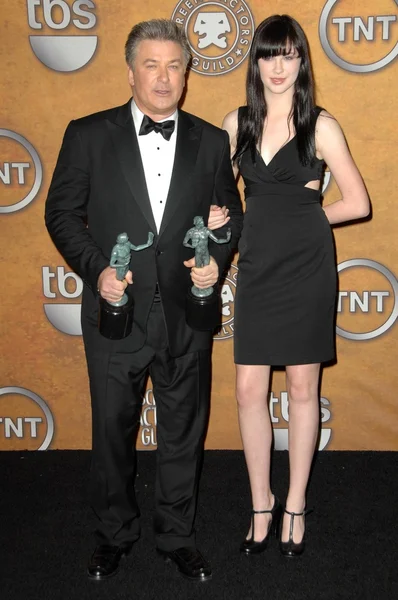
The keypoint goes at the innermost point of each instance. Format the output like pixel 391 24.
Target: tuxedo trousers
pixel 181 388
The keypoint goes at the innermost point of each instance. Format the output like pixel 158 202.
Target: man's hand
pixel 110 288
pixel 218 216
pixel 203 277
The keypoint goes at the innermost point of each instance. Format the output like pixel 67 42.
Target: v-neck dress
pixel 286 288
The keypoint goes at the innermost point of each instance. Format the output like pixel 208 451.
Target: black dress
pixel 286 289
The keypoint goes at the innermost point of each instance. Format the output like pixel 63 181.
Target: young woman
pixel 286 291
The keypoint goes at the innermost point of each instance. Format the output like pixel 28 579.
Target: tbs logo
pixel 64 53
pixel 66 316
pixel 279 412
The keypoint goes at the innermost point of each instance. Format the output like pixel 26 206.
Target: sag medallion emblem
pixel 219 33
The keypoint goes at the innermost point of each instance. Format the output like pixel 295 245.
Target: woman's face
pixel 279 73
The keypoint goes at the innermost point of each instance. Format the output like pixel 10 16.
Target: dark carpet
pixel 352 548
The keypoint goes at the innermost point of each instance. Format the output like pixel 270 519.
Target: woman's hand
pixel 218 217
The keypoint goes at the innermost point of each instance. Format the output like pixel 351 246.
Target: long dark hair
pixel 278 35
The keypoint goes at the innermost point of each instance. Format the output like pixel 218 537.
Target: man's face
pixel 157 77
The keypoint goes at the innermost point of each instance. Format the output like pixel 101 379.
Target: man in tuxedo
pixel 145 167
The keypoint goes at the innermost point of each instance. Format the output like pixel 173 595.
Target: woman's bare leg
pixel 252 382
pixel 302 386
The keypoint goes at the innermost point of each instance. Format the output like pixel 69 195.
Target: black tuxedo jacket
pixel 98 190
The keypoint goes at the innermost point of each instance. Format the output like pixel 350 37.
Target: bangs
pixel 277 38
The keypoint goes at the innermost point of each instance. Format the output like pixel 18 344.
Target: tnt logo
pixel 26 421
pixel 368 299
pixel 21 172
pixel 62 53
pixel 360 42
pixel 57 283
pixel 228 303
pixel 219 33
pixel 279 412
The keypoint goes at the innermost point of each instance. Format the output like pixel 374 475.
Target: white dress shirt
pixel 157 155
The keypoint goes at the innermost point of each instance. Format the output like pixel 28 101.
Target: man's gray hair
pixel 157 29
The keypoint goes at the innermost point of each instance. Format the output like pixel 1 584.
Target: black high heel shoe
pixel 290 548
pixel 250 546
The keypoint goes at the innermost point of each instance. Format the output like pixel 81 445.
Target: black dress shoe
pixel 190 563
pixel 290 548
pixel 104 562
pixel 250 546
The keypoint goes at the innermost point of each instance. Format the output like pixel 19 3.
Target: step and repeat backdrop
pixel 62 59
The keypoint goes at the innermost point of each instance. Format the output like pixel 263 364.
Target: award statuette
pixel 202 305
pixel 115 319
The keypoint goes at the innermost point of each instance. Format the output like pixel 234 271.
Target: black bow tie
pixel 166 128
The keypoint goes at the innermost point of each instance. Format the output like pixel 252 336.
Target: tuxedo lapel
pixel 187 146
pixel 124 138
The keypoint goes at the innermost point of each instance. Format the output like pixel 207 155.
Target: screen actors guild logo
pixel 33 425
pixel 228 299
pixel 148 421
pixel 219 33
pixel 16 174
pixel 349 40
pixel 212 26
pixel 64 53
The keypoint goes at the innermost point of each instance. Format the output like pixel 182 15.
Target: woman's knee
pixel 252 385
pixel 302 392
pixel 302 384
pixel 249 395
pixel 301 389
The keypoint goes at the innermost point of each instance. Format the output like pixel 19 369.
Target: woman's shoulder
pixel 233 115
pixel 324 121
pixel 321 115
pixel 327 128
pixel 230 122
